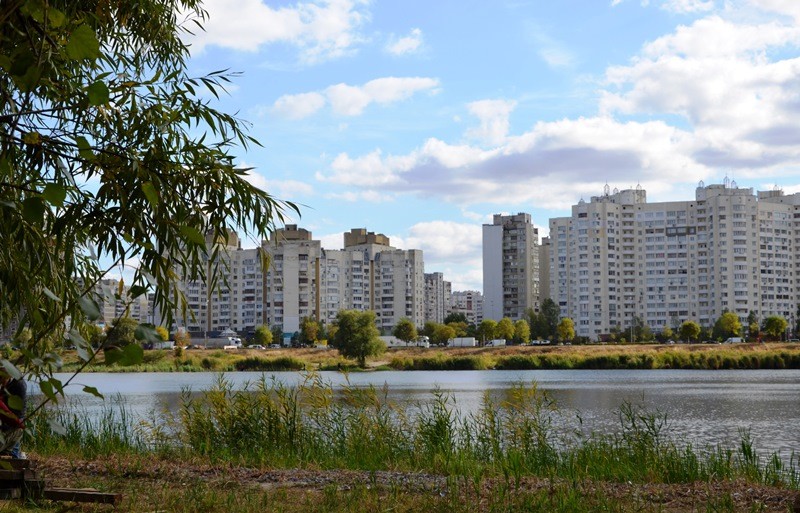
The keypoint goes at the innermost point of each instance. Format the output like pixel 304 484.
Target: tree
pixel 461 328
pixel 357 336
pixel 538 324
pixel 182 338
pixel 551 314
pixel 442 333
pixel 277 334
pixel 428 329
pixel 163 333
pixel 486 330
pixel 522 332
pixel 504 329
pixel 728 325
pixel 689 331
pixel 122 332
pixel 775 326
pixel 262 336
pixel 565 329
pixel 309 331
pixel 456 317
pixel 666 333
pixel 405 330
pixel 99 93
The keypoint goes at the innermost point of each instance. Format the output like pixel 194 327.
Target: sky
pixel 422 119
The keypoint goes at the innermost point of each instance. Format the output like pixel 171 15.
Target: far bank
pixel 679 356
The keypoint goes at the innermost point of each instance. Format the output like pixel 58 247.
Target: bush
pixel 257 363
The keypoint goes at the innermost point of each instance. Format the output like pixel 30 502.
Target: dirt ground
pixel 668 498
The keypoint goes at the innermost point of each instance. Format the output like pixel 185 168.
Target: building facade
pixel 618 259
pixel 437 297
pixel 510 267
pixel 469 303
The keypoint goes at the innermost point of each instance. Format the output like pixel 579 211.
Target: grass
pixel 712 357
pixel 517 453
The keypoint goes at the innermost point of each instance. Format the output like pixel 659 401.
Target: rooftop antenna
pixel 726 182
pixel 701 184
pixel 606 190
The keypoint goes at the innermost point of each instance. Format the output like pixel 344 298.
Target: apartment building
pixel 618 258
pixel 437 297
pixel 112 307
pixel 510 267
pixel 469 303
pixel 302 279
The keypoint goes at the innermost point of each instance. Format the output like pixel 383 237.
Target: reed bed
pixel 271 425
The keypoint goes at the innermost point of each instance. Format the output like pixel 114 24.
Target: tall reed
pixel 522 433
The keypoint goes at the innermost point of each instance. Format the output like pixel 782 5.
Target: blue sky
pixel 421 120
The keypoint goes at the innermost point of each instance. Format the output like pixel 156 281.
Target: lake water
pixel 705 407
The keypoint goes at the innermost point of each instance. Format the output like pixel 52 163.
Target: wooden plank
pixel 11 475
pixel 81 495
pixel 10 493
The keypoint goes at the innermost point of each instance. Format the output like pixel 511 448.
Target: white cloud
pixel 348 100
pixel 285 189
pixel 321 30
pixel 361 196
pixel 332 241
pixel 688 6
pixel 298 106
pixel 493 115
pixel 406 45
pixel 443 241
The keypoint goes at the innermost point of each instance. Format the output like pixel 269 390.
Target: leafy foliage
pixel 775 326
pixel 309 331
pixel 689 330
pixel 110 152
pixel 565 329
pixel 522 332
pixel 504 329
pixel 405 330
pixel 357 336
pixel 728 325
pixel 262 336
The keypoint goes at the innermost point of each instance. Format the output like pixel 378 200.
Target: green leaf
pixel 47 389
pixel 132 354
pixel 57 427
pixel 93 391
pixel 150 193
pixel 84 148
pixel 83 44
pixel 11 369
pixel 89 308
pixel 193 235
pixel 49 293
pixel 147 333
pixel 33 210
pixel 56 17
pixel 55 194
pixel 98 93
pixel 136 291
pixel 15 402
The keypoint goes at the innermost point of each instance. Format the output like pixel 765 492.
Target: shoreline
pixel 590 357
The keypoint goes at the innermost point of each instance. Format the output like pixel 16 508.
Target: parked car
pixel 256 346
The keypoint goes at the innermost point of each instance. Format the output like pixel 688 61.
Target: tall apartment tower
pixel 618 259
pixel 291 284
pixel 386 280
pixel 510 267
pixel 437 297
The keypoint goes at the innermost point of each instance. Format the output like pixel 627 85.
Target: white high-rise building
pixel 510 267
pixel 437 297
pixel 618 258
pixel 468 302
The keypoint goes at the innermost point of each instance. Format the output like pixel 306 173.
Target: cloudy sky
pixel 421 119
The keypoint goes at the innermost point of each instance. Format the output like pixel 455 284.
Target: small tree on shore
pixel 262 336
pixel 565 329
pixel 689 331
pixel 405 330
pixel 775 326
pixel 357 336
pixel 522 332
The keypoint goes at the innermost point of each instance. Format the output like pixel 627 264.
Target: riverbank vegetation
pixel 277 447
pixel 661 356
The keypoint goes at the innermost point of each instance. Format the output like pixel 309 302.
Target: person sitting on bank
pixel 13 397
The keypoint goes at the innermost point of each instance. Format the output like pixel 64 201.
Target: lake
pixel 705 407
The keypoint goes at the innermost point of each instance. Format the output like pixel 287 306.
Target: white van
pixel 734 340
